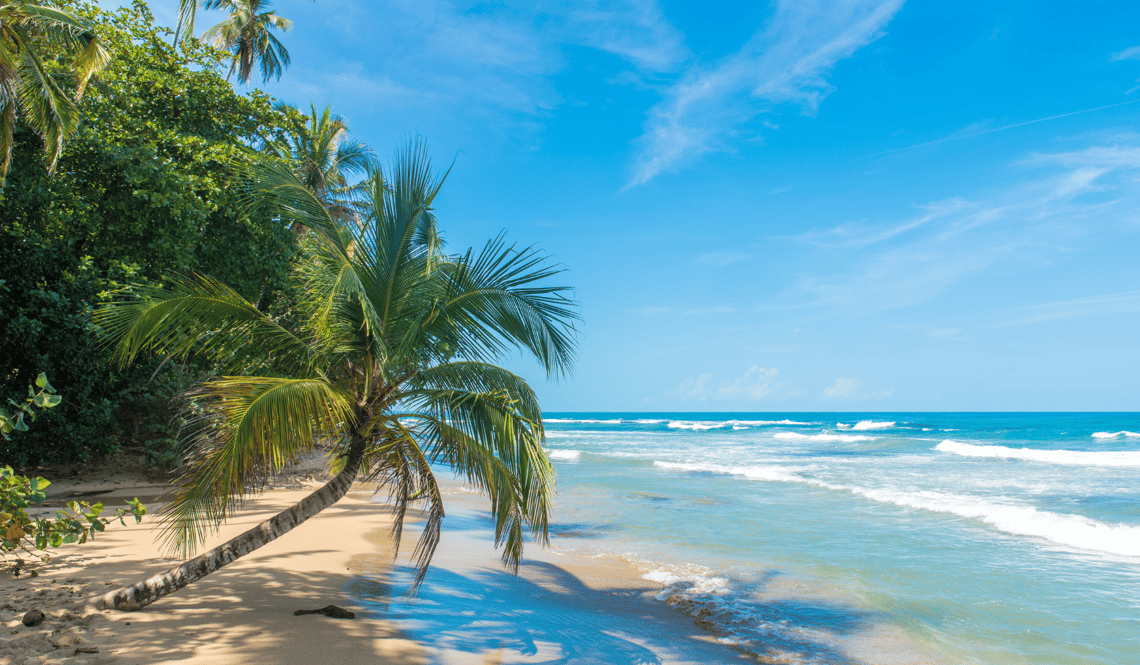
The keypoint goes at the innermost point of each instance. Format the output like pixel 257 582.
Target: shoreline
pixel 243 613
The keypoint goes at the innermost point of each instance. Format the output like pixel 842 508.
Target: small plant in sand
pixel 21 533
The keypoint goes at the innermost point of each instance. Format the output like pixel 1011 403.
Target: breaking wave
pixel 1070 457
pixel 1074 531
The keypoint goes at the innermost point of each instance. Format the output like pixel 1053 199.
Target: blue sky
pixel 865 205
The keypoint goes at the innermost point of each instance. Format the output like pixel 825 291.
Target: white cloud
pixel 843 388
pixel 691 388
pixel 1131 53
pixel 784 63
pixel 756 383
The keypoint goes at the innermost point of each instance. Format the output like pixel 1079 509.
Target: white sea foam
pixel 564 455
pixel 694 580
pixel 701 425
pixel 1063 529
pixel 1070 530
pixel 871 424
pixel 1069 457
pixel 846 438
pixel 843 425
pixel 755 472
pixel 649 421
pixel 1116 435
pixel 593 421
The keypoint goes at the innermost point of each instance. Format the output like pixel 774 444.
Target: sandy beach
pixel 244 613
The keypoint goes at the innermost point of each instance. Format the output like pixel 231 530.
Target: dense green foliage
pixel 145 189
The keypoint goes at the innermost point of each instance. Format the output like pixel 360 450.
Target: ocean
pixel 850 538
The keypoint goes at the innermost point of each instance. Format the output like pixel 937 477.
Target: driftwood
pixel 329 611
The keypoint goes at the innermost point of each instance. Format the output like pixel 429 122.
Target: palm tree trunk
pixel 141 594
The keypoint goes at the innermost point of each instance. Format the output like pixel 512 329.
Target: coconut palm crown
pixel 391 361
pixel 247 34
pixel 28 90
pixel 323 157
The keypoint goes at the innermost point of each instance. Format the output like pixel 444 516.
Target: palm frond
pixel 199 314
pixel 254 426
pixel 496 302
pixel 395 461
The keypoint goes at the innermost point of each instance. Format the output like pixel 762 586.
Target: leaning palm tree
pixel 323 157
pixel 28 90
pixel 246 35
pixel 391 363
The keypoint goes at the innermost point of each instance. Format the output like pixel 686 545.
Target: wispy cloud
pixel 1130 53
pixel 978 129
pixel 786 62
pixel 431 64
pixel 1093 190
pixel 1099 305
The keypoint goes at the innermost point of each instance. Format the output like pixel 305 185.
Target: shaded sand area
pixel 562 608
pixel 590 611
pixel 240 614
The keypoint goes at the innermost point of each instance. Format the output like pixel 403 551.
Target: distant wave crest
pixel 1116 435
pixel 1069 457
pixel 616 421
pixel 824 438
pixel 871 424
pixel 700 425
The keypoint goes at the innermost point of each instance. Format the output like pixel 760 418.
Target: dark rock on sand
pixel 33 618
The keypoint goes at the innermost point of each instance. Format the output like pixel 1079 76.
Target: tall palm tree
pixel 323 158
pixel 246 33
pixel 28 91
pixel 392 362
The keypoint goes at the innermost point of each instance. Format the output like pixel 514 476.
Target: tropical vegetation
pixel 30 90
pixel 390 360
pixel 144 187
pixel 226 284
pixel 246 34
pixel 323 157
pixel 24 534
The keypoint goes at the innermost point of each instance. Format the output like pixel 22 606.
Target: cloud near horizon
pixel 756 383
pixel 786 62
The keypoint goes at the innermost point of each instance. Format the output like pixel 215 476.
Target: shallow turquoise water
pixel 988 538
